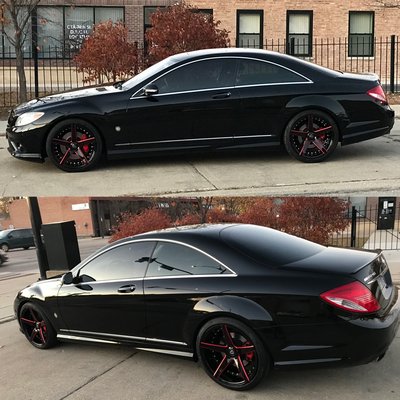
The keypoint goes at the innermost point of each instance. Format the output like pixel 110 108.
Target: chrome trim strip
pixel 149 278
pixel 300 348
pixel 112 335
pixel 226 87
pixel 191 140
pixel 78 267
pixel 299 362
pixel 172 352
pixel 85 339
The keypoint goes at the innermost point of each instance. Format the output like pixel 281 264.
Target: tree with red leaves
pixel 106 55
pixel 148 220
pixel 180 28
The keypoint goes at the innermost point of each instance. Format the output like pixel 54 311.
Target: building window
pixel 249 28
pixel 361 34
pixel 299 33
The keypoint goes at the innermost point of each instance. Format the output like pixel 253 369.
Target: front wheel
pixel 232 354
pixel 311 136
pixel 36 327
pixel 74 145
pixel 5 247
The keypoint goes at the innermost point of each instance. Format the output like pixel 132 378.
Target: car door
pixel 264 89
pixel 195 105
pixel 106 298
pixel 177 278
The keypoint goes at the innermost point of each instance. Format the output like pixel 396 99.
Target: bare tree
pixel 15 18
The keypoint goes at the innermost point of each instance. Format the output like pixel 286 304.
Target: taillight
pixel 378 93
pixel 352 297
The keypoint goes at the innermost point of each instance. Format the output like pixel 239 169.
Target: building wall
pixel 52 209
pixel 330 17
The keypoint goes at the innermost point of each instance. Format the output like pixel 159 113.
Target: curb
pixel 7 319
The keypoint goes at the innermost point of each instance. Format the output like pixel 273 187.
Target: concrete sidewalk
pixel 10 285
pixel 3 123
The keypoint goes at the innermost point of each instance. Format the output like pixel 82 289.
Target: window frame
pixel 310 32
pixel 230 272
pixel 349 46
pixel 238 34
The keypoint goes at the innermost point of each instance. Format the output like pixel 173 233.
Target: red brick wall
pixel 52 209
pixel 331 17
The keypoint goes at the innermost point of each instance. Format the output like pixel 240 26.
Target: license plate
pixel 385 289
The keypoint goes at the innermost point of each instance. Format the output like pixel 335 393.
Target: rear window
pixel 267 245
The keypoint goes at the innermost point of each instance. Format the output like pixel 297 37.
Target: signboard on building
pixel 81 206
pixel 77 33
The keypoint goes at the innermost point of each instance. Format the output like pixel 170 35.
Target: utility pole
pixel 36 222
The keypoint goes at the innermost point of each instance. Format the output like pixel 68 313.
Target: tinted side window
pixel 16 234
pixel 175 259
pixel 122 262
pixel 207 74
pixel 253 72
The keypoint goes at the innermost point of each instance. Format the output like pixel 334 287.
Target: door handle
pixel 222 95
pixel 127 289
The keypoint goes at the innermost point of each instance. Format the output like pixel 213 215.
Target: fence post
pixel 392 61
pixel 35 51
pixel 353 226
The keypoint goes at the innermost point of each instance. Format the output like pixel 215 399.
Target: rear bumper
pixel 360 131
pixel 349 341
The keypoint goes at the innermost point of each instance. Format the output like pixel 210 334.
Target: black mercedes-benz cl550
pixel 217 99
pixel 240 298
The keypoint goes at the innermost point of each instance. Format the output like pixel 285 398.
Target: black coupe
pixel 240 298
pixel 204 100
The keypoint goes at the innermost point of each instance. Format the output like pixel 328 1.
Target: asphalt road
pixel 22 262
pixel 77 372
pixel 369 167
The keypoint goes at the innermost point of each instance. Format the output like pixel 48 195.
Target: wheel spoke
pixel 242 370
pixel 65 156
pixel 298 133
pixel 33 334
pixel 227 336
pixel 319 145
pixel 212 346
pixel 82 156
pixel 86 140
pixel 222 366
pixel 62 142
pixel 306 144
pixel 42 336
pixel 310 123
pixel 73 132
pixel 27 321
pixel 325 128
pixel 245 349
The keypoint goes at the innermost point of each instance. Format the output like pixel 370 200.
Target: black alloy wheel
pixel 36 327
pixel 232 354
pixel 311 136
pixel 74 146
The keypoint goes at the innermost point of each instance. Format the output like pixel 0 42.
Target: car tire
pixel 26 247
pixel 311 136
pixel 36 326
pixel 232 354
pixel 74 145
pixel 5 247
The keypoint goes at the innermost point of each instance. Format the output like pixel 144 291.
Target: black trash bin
pixel 61 245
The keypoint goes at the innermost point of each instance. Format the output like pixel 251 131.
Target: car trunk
pixel 368 267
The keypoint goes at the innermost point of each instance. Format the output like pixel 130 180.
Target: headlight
pixel 28 118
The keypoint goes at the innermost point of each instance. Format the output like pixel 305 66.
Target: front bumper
pixel 27 142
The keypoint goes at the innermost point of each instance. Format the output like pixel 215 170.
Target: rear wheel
pixel 311 136
pixel 5 247
pixel 74 145
pixel 36 327
pixel 232 354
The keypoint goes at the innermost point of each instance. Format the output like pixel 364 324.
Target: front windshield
pixel 3 234
pixel 147 73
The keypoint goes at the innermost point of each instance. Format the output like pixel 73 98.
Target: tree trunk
pixel 19 58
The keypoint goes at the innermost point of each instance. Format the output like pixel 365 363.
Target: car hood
pixel 334 260
pixel 65 96
pixel 41 289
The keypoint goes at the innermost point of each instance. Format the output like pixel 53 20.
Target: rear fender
pixel 323 103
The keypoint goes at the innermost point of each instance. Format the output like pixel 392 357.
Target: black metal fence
pixel 54 69
pixel 366 230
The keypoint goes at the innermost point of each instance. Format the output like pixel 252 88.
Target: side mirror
pixel 67 279
pixel 150 90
